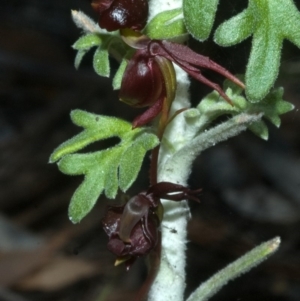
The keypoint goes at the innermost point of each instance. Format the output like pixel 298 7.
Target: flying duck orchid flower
pixel 133 228
pixel 150 80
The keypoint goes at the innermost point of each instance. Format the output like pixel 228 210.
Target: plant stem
pixel 170 281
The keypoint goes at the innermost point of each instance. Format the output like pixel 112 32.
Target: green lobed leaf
pixel 97 127
pixel 199 16
pixel 84 44
pixel 235 30
pixel 104 170
pixel 132 159
pixel 269 22
pixel 101 62
pixel 273 106
pixel 166 25
pixel 86 195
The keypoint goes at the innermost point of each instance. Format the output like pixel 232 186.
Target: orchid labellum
pixel 133 228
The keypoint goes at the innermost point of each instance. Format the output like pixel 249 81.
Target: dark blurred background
pixel 250 187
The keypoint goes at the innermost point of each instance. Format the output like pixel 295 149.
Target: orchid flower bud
pixel 118 14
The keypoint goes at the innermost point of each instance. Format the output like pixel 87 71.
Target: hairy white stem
pixel 170 281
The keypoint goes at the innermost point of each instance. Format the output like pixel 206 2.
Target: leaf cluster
pixel 271 106
pixel 268 22
pixel 105 44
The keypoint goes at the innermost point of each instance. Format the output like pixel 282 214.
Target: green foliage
pixel 87 41
pixel 103 43
pixel 84 44
pixel 272 106
pixel 101 62
pixel 166 25
pixel 199 16
pixel 269 22
pixel 78 58
pixel 104 170
pixel 117 80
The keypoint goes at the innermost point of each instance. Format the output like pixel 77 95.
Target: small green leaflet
pixel 199 16
pixel 84 44
pixel 101 59
pixel 104 170
pixel 101 62
pixel 87 41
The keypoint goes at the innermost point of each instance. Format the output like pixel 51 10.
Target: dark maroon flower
pixel 144 85
pixel 133 228
pixel 118 14
pixel 143 82
pixel 142 236
pixel 148 79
